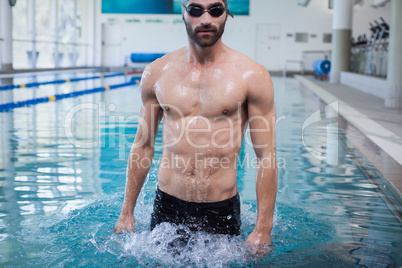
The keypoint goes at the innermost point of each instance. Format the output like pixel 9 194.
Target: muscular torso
pixel 204 118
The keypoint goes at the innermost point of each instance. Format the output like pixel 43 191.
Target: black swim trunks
pixel 222 217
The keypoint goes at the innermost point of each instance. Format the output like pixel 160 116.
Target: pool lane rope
pixel 62 81
pixel 12 105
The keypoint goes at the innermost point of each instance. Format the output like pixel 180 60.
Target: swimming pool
pixel 62 178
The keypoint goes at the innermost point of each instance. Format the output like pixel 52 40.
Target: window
pixel 52 29
pixel 301 38
pixel 327 38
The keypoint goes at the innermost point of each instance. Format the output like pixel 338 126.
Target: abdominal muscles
pixel 199 157
pixel 198 175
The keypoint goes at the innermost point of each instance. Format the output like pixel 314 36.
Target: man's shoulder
pixel 254 75
pixel 159 68
pixel 154 70
pixel 244 63
pixel 176 54
pixel 173 56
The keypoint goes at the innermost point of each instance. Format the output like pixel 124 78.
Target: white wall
pixel 88 17
pixel 165 33
pixel 364 13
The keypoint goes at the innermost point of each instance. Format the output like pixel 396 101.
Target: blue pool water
pixel 62 178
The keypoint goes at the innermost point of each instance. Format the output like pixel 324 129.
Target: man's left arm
pixel 262 121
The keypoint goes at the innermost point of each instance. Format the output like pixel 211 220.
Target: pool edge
pixel 390 181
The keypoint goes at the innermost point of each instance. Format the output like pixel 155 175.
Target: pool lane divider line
pixel 12 105
pixel 69 80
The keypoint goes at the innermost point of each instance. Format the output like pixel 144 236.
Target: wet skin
pixel 206 94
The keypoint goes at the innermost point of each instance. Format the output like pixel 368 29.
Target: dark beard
pixel 205 41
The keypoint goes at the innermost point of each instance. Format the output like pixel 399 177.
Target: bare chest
pixel 208 94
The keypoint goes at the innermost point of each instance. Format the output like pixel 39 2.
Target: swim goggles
pixel 215 11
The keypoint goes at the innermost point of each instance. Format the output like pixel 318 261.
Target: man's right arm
pixel 142 151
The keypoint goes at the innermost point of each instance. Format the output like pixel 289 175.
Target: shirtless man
pixel 206 94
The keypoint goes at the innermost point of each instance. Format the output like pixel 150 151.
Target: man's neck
pixel 204 55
